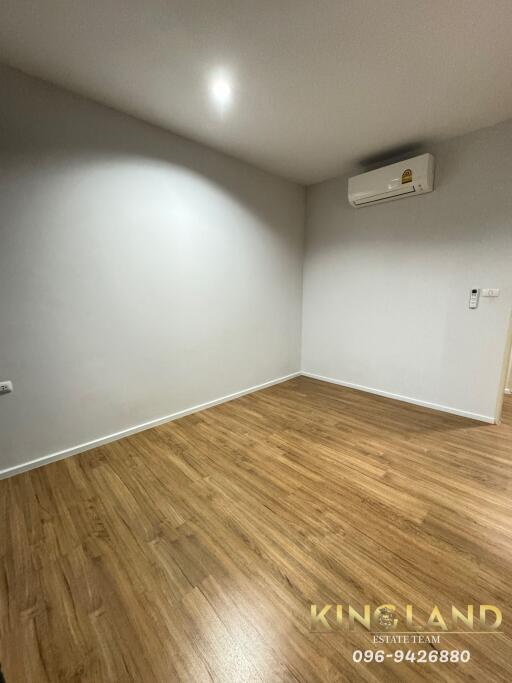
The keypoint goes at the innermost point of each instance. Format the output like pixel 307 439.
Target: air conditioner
pixel 405 179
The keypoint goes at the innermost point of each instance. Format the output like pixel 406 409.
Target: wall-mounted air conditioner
pixel 405 179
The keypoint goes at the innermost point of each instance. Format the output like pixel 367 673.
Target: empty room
pixel 255 341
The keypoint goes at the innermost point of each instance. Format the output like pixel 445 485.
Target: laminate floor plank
pixel 193 551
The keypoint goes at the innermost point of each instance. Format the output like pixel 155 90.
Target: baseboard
pixel 406 399
pixel 508 391
pixel 101 441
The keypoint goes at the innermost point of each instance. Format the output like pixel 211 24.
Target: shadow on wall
pixel 74 133
pixel 142 274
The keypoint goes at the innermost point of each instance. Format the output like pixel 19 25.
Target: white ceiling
pixel 318 84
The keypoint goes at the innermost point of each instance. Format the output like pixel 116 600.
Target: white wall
pixel 386 287
pixel 140 273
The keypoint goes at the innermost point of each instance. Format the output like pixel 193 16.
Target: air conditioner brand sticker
pixel 407 176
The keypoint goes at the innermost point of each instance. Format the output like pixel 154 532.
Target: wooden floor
pixel 192 551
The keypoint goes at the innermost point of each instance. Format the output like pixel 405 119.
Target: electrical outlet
pixel 490 292
pixel 5 387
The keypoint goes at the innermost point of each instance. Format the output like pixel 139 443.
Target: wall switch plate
pixel 490 292
pixel 5 387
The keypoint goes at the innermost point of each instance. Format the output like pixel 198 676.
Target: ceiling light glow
pixel 221 91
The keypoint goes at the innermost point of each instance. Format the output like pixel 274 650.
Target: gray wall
pixel 386 287
pixel 140 273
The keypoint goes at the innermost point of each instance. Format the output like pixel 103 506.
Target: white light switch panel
pixel 490 292
pixel 5 387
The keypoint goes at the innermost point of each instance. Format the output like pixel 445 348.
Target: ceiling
pixel 318 85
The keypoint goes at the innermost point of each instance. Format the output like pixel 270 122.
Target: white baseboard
pixel 406 399
pixel 74 450
pixel 508 391
pixel 95 443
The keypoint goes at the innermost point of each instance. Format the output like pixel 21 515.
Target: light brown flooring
pixel 191 552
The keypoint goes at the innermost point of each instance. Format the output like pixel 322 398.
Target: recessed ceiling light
pixel 221 91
